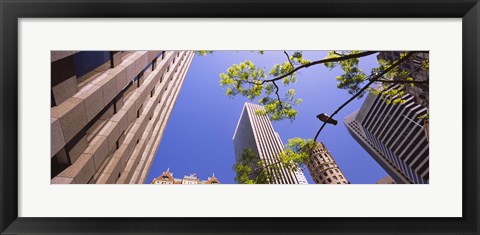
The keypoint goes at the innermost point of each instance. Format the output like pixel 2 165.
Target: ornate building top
pixel 167 178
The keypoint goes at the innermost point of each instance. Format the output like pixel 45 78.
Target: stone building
pixel 323 168
pixel 167 178
pixel 109 110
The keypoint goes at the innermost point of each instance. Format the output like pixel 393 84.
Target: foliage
pixel 253 170
pixel 352 76
pixel 248 80
pixel 250 169
pixel 394 85
pixel 297 152
pixel 201 53
pixel 425 116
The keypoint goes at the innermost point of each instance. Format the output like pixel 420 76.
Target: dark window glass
pixel 86 61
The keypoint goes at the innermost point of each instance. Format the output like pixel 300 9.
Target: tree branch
pixel 336 59
pixel 336 53
pixel 276 92
pixel 254 83
pixel 402 81
pixel 374 79
pixel 288 57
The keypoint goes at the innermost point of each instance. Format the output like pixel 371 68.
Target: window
pixel 331 172
pixel 154 64
pixel 335 177
pixel 329 180
pixel 120 139
pixel 115 100
pixel 139 77
pixel 59 162
pixel 86 61
pixel 325 173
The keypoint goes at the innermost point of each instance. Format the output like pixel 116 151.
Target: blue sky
pixel 198 136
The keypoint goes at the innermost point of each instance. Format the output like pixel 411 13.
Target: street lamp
pixel 325 118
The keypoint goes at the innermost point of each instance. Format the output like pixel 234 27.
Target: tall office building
pixel 413 66
pixel 393 135
pixel 323 168
pixel 108 112
pixel 256 132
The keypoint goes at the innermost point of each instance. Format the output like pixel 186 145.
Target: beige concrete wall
pixel 149 155
pixel 118 141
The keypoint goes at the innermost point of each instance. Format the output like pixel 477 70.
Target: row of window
pixel 59 165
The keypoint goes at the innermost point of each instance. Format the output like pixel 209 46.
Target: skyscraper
pixel 416 69
pixel 323 168
pixel 393 135
pixel 413 66
pixel 108 112
pixel 256 132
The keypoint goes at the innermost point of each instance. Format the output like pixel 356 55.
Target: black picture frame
pixel 11 11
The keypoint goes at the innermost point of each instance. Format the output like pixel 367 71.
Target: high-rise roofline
pixel 240 118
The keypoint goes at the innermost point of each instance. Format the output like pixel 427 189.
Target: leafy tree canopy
pixel 248 80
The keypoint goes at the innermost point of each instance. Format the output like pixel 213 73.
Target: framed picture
pixel 36 34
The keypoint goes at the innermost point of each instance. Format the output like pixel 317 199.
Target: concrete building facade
pixel 323 168
pixel 256 132
pixel 393 135
pixel 167 178
pixel 414 67
pixel 108 112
